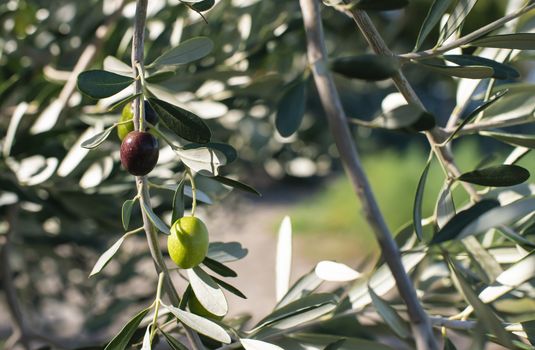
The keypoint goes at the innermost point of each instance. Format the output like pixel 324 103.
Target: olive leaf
pixel 291 108
pixel 121 340
pixel 380 5
pixel 366 67
pixel 186 52
pixel 207 291
pixel 497 176
pixel 100 83
pixel 97 139
pixel 156 221
pixel 126 212
pixel 517 41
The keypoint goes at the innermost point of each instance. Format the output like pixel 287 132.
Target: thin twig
pixel 470 37
pixel 317 56
pixel 141 181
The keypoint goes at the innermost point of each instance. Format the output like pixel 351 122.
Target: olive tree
pixel 467 269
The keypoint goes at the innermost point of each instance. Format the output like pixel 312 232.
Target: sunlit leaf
pixel 203 160
pixel 283 262
pixel 178 201
pixel 207 292
pixel 253 344
pixel 186 52
pixel 200 324
pixel 335 272
pixel 226 252
pixel 517 41
pixel 304 286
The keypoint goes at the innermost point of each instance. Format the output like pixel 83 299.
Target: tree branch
pixel 317 56
pixel 141 181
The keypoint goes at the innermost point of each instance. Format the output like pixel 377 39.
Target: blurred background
pixel 65 202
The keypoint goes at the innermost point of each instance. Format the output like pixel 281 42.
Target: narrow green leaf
pixel 407 117
pixel 123 102
pixel 499 216
pixel 200 324
pixel 182 122
pixel 207 292
pixel 120 341
pixel 236 184
pixel 156 221
pixel 203 160
pixel 517 41
pixel 105 258
pixel 202 6
pixel 380 5
pixel 485 314
pixel 311 307
pixel 381 281
pixel 96 140
pixel 283 261
pixel 173 343
pixel 253 344
pixel 497 176
pixel 178 201
pixel 467 72
pixel 146 339
pixel 418 202
pixel 335 272
pixel 436 11
pixel 229 287
pixel 445 207
pixel 527 141
pixel 366 67
pixel 126 212
pixel 304 286
pixel 390 316
pixel 463 218
pixel 100 83
pixel 501 70
pixel 219 268
pixel 319 341
pixel 291 108
pixel 226 252
pixel 476 112
pixel 456 19
pixel 335 345
pixel 186 52
pixel 230 152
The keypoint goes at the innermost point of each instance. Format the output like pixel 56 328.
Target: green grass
pixel 332 219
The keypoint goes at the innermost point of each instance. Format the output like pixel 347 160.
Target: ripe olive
pixel 127 114
pixel 139 153
pixel 188 242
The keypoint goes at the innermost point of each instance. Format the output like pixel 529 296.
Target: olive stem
pixel 193 191
pixel 157 302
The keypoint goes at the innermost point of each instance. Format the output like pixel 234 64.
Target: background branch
pixel 317 56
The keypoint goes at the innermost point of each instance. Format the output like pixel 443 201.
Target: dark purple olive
pixel 150 114
pixel 139 153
